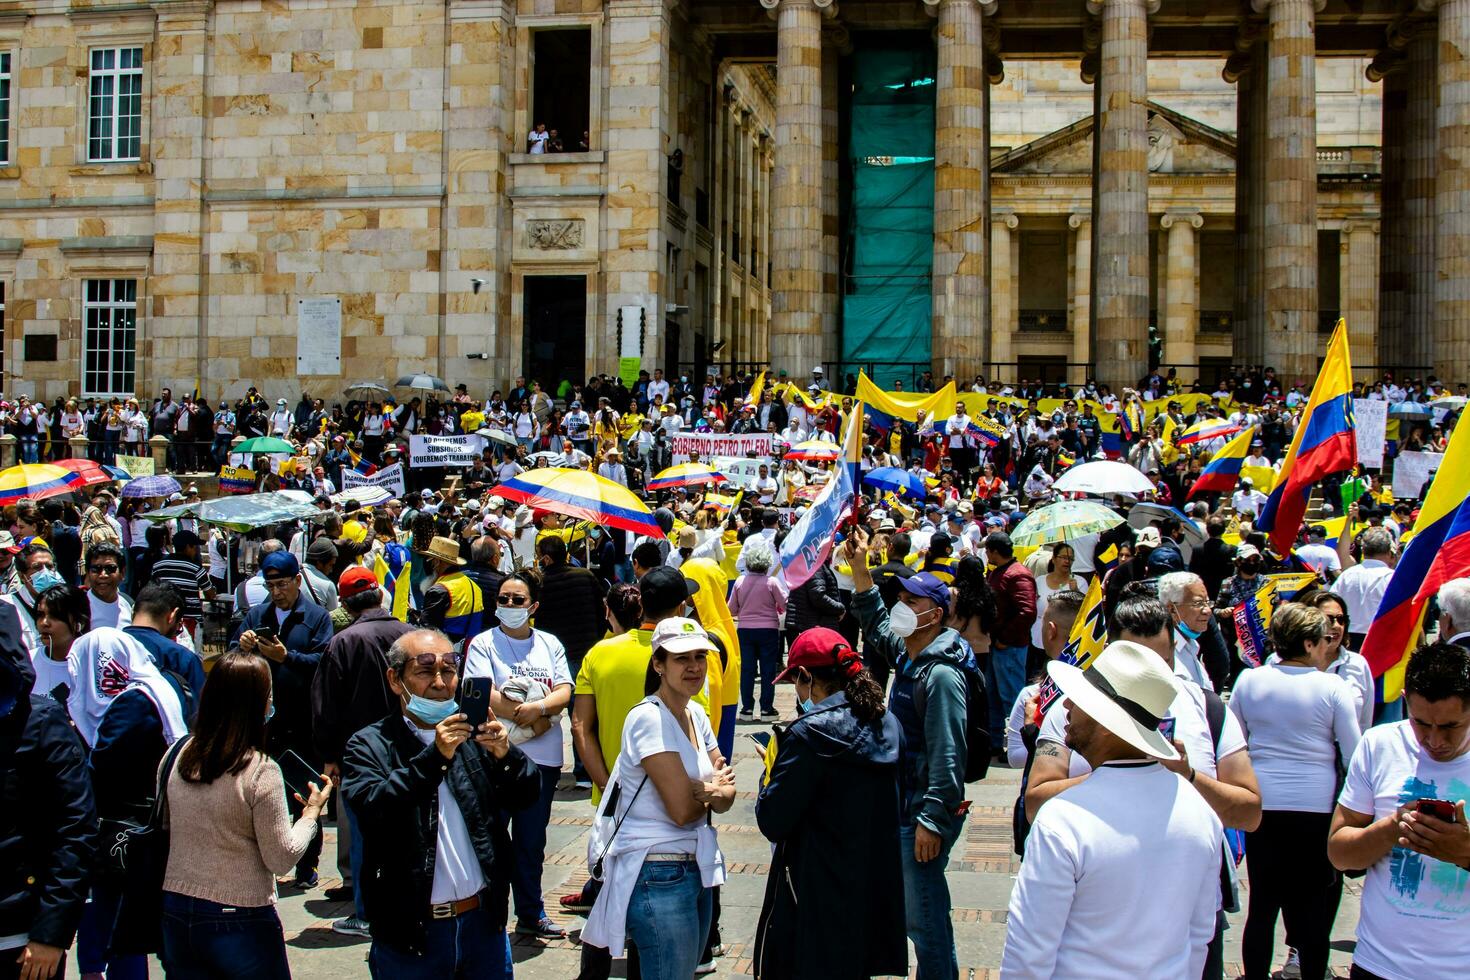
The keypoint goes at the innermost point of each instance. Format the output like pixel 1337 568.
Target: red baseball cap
pixel 355 581
pixel 820 647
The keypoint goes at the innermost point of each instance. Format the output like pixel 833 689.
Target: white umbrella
pixel 421 382
pixel 1103 477
pixel 368 391
pixel 366 496
pixel 498 436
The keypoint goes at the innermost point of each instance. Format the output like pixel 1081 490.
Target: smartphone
pixel 297 773
pixel 474 700
pixel 265 631
pixel 1441 809
pixel 1166 728
pixel 762 739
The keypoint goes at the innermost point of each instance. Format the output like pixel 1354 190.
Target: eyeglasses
pixel 1200 604
pixel 1334 619
pixel 273 584
pixel 103 569
pixel 512 600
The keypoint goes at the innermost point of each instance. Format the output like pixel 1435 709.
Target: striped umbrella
pixel 89 472
pixel 1206 429
pixel 685 475
pixel 36 481
pixel 151 486
pixel 583 495
pixel 814 450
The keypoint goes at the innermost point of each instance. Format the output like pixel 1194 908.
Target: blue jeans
pixel 205 940
pixel 1005 675
pixel 528 848
pixel 469 947
pixel 668 918
pixel 759 648
pixel 221 451
pixel 94 936
pixel 926 905
pixel 30 449
pixel 354 858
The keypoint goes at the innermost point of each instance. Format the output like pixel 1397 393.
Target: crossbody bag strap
pixel 159 816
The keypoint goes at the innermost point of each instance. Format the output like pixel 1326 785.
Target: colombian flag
pixel 906 405
pixel 757 389
pixel 390 566
pixel 1222 472
pixel 1088 637
pixel 1438 551
pixel 987 430
pixel 1325 442
pixel 809 544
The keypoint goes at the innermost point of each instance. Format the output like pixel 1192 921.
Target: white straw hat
pixel 1128 690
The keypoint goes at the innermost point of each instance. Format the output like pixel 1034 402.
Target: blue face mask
pixel 270 711
pixel 431 712
pixel 805 705
pixel 46 578
pixel 1189 634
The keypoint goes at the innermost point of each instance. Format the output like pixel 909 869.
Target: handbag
pixel 604 827
pixel 139 855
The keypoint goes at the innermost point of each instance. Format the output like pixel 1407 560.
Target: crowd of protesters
pixel 430 709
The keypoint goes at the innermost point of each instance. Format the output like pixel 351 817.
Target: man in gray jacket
pixel 929 700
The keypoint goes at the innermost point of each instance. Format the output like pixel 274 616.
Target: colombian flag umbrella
pixel 91 473
pixel 814 450
pixel 583 495
pixel 34 481
pixel 1206 429
pixel 685 475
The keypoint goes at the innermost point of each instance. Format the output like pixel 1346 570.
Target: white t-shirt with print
pixel 499 657
pixel 1415 916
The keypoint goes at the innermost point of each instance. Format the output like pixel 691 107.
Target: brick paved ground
pixel 981 871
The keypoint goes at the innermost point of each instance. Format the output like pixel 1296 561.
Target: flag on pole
pixel 1325 442
pixel 1088 637
pixel 1252 620
pixel 810 542
pixel 987 430
pixel 757 389
pixel 1438 551
pixel 391 566
pixel 1222 472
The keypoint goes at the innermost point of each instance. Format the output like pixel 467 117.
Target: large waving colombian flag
pixel 1325 442
pixel 1222 472
pixel 1438 551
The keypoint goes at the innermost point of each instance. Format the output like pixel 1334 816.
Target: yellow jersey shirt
pixel 613 673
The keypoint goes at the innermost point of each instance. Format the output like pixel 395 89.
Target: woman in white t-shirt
pixel 1298 721
pixel 525 426
pixel 533 688
pixel 661 861
pixel 1058 576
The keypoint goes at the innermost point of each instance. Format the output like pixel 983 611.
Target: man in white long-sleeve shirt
pixel 1131 836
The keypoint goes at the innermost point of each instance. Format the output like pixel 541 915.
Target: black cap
pixel 663 588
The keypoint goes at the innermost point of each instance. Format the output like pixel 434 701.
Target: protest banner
pixel 1370 418
pixel 136 465
pixel 390 478
pixel 708 444
pixel 441 451
pixel 236 479
pixel 1411 471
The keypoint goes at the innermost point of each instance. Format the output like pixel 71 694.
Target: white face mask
pixel 513 616
pixel 902 620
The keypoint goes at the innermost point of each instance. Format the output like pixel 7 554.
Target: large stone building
pixel 227 192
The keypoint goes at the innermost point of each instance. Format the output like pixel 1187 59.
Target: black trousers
pixel 1290 875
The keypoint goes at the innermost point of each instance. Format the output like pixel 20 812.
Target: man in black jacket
pixel 816 602
pixel 350 692
pixel 429 795
pixel 48 823
pixel 571 610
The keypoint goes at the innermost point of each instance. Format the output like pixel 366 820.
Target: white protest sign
pixel 1411 471
pixel 709 444
pixel 428 451
pixel 1370 419
pixel 390 478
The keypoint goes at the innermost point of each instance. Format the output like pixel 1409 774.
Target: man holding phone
pixel 1401 815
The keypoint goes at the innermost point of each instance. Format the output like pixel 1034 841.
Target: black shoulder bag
pixel 139 856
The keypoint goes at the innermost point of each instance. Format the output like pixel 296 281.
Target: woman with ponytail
pixel 830 805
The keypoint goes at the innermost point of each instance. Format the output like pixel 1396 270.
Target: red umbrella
pixel 89 472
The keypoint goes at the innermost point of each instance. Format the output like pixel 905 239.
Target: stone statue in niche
pixel 1161 138
pixel 554 234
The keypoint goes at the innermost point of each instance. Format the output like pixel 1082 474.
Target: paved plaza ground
pixel 982 869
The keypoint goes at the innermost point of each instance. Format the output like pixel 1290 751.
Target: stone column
pixel 1358 286
pixel 1081 295
pixel 1181 290
pixel 1121 186
pixel 1246 70
pixel 637 142
pixel 718 321
pixel 763 248
pixel 1452 193
pixel 478 138
pixel 175 326
pixel 796 205
pixel 957 342
pixel 1392 336
pixel 1002 293
pixel 1291 342
pixel 831 297
pixel 1421 152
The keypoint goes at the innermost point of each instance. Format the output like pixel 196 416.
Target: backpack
pixel 977 716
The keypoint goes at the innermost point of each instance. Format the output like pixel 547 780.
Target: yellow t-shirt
pixel 613 672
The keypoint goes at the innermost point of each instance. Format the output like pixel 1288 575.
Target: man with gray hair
pixel 1188 602
pixel 1454 612
pixel 1362 586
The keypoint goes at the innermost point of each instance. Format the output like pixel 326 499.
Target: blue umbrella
pixel 897 480
pixel 151 486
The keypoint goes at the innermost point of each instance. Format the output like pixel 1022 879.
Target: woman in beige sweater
pixel 230 835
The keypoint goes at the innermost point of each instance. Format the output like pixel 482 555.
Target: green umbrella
pixel 247 512
pixel 1064 521
pixel 265 444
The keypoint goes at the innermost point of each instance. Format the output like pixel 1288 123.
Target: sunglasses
pixel 1334 619
pixel 512 600
pixel 103 569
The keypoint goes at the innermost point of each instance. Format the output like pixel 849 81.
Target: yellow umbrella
pixel 685 475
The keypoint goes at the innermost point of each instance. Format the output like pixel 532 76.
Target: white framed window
pixel 115 104
pixel 110 336
pixel 4 106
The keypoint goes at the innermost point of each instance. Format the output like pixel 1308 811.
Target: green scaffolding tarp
pixel 890 215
